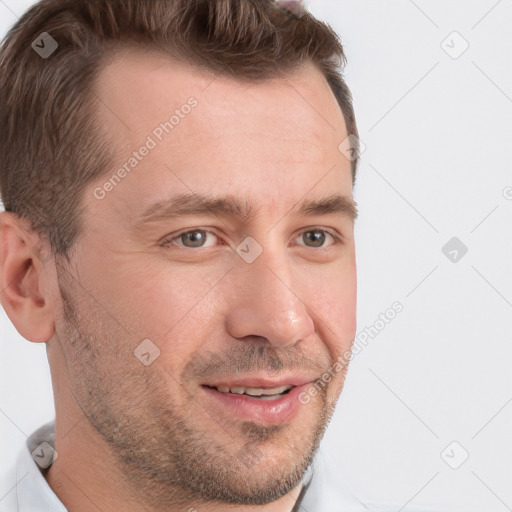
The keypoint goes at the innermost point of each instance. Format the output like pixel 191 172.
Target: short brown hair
pixel 50 144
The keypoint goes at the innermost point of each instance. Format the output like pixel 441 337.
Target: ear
pixel 23 294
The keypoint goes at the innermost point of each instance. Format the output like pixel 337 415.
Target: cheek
pixel 175 309
pixel 335 298
pixel 161 298
pixel 335 305
pixel 340 315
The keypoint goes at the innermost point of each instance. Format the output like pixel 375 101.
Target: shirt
pixel 323 491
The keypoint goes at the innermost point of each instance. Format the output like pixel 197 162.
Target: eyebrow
pixel 231 206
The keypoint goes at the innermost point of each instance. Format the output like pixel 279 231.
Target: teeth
pixel 253 391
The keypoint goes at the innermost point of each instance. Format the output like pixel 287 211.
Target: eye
pixel 190 239
pixel 317 238
pixel 198 238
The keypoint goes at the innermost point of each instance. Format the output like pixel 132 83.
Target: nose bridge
pixel 266 304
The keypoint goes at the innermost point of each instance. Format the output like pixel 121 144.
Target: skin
pixel 133 437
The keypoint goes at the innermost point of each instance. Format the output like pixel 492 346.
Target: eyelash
pixel 166 242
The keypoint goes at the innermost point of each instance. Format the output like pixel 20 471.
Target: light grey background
pixel 437 127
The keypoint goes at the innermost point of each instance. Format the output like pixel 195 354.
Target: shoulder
pixel 28 489
pixel 330 492
pixel 393 507
pixel 8 501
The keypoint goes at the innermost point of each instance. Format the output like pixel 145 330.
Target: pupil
pixel 317 237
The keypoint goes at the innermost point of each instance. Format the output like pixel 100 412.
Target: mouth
pixel 257 400
pixel 258 393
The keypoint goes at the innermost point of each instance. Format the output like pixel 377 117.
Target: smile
pixel 262 400
pixel 258 393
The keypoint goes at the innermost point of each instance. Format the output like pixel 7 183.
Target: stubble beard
pixel 167 459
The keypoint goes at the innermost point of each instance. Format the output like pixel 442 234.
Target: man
pixel 177 178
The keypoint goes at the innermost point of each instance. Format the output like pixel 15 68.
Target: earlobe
pixel 22 283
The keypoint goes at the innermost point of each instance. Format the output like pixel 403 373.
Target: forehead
pixel 239 134
pixel 143 85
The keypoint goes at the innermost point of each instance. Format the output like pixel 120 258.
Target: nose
pixel 267 303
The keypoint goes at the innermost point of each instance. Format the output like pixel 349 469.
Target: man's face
pixel 221 313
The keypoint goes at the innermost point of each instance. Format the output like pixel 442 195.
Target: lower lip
pixel 280 410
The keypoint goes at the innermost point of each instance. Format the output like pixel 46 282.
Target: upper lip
pixel 293 380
